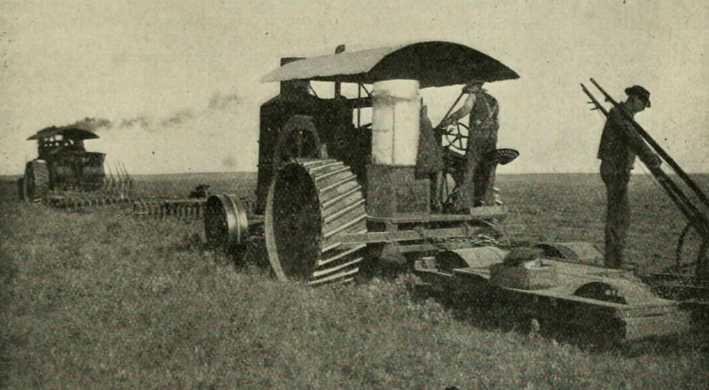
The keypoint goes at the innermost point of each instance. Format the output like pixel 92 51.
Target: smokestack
pixel 293 87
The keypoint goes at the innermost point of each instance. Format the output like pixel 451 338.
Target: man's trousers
pixel 616 180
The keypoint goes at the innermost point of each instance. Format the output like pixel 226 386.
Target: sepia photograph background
pixel 174 86
pixel 121 288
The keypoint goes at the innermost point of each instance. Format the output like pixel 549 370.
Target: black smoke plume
pixel 177 118
pixel 218 101
pixel 92 124
pixel 141 121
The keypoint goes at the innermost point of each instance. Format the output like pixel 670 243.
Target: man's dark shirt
pixel 483 121
pixel 620 142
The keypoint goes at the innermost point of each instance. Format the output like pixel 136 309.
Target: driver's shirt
pixel 483 121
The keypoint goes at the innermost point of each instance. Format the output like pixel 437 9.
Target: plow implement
pixel 562 288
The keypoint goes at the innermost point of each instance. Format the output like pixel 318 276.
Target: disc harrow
pixel 311 204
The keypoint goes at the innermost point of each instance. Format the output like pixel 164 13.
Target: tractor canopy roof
pixel 68 132
pixel 433 64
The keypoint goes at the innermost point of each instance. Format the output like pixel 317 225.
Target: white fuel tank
pixel 395 122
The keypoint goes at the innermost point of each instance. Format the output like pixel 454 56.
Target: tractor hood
pixel 433 64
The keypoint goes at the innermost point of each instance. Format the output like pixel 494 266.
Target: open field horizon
pixel 98 298
pixel 552 205
pixel 635 173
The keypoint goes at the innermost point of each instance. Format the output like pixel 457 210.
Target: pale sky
pixel 179 80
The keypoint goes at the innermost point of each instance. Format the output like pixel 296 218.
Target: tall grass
pixel 98 299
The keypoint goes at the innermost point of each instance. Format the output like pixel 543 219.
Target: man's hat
pixel 640 92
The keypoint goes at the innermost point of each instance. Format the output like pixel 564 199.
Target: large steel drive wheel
pixel 312 203
pixel 36 181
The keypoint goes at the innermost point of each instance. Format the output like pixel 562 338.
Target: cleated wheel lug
pixel 308 208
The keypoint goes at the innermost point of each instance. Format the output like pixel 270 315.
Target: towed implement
pixel 335 194
pixel 563 285
pixel 186 208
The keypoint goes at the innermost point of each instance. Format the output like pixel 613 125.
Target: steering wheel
pixel 457 136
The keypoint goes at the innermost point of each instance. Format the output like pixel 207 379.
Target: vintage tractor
pixel 334 194
pixel 63 164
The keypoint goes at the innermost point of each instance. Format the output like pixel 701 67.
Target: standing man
pixel 620 143
pixel 478 177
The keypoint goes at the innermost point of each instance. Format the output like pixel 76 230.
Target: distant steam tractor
pixel 63 164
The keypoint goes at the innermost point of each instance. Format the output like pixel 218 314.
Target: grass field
pixel 99 299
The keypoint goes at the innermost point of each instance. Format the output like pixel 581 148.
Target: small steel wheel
pixel 225 222
pixel 692 253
